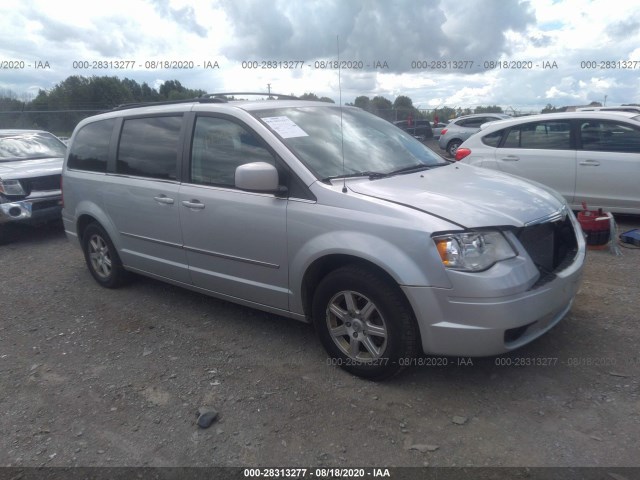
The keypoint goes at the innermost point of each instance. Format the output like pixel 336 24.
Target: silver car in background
pixel 323 214
pixel 30 169
pixel 461 128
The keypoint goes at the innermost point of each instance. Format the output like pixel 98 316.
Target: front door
pixel 235 241
pixel 541 151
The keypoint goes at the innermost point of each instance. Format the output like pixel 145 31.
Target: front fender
pixel 406 269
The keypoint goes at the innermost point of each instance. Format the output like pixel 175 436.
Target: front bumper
pixel 39 207
pixel 483 326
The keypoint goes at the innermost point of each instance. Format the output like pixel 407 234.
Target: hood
pixel 30 168
pixel 469 196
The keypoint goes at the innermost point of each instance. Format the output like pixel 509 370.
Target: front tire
pixel 364 322
pixel 102 258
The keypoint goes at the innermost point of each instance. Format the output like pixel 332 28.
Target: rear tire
pixel 364 322
pixel 102 258
pixel 453 146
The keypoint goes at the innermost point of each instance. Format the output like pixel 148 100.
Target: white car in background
pixel 622 108
pixel 591 157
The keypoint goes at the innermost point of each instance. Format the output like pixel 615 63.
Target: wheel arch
pixel 326 264
pixel 87 213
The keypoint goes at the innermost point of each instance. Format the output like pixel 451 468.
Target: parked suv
pixel 30 168
pixel 420 129
pixel 323 214
pixel 461 128
pixel 591 157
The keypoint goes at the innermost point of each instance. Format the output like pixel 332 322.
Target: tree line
pixel 60 109
pixel 402 108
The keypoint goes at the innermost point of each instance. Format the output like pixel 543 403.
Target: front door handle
pixel 193 204
pixel 590 163
pixel 163 199
pixel 510 158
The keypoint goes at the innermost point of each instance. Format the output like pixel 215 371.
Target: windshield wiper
pixel 369 174
pixel 411 168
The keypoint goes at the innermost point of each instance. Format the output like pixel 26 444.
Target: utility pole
pixel 269 90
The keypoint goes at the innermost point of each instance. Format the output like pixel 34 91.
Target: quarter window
pixel 149 147
pixel 493 139
pixel 90 149
pixel 552 135
pixel 608 136
pixel 474 122
pixel 219 147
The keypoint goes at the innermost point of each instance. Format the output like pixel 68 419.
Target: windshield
pixel 29 146
pixel 371 146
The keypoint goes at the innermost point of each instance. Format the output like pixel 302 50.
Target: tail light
pixel 461 153
pixel 443 131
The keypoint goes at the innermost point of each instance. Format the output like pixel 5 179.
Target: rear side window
pixel 473 122
pixel 493 139
pixel 609 136
pixel 219 147
pixel 90 149
pixel 149 147
pixel 551 135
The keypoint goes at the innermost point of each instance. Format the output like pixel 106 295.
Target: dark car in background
pixel 30 169
pixel 420 129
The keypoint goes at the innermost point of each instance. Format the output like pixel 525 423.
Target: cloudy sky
pixel 494 51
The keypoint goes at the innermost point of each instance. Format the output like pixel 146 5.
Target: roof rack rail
pixel 263 94
pixel 203 99
pixel 206 98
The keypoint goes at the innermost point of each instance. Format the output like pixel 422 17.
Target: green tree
pixel 363 102
pixel 314 97
pixel 383 107
pixel 404 108
pixel 488 109
pixel 11 108
pixel 403 102
pixel 444 114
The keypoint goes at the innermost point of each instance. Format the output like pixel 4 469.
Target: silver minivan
pixel 323 214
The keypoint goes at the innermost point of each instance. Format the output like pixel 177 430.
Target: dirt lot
pixel 97 377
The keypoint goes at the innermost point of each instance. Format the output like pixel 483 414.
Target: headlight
pixel 473 251
pixel 11 187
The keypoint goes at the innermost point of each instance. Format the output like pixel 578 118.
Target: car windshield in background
pixel 318 136
pixel 29 146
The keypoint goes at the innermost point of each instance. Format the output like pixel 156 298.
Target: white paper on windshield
pixel 285 127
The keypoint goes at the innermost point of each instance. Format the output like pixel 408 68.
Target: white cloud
pixel 567 32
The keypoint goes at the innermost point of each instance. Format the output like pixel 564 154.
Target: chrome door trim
pixel 232 257
pixel 152 240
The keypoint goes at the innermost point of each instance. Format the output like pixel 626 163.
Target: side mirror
pixel 257 177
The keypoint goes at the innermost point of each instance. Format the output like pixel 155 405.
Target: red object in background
pixel 461 153
pixel 410 120
pixel 595 224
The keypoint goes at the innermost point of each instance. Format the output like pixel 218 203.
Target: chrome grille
pixel 39 184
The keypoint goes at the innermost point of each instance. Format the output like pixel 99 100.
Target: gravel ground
pixel 97 377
